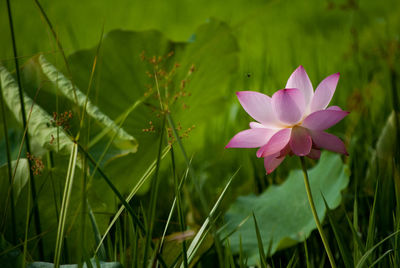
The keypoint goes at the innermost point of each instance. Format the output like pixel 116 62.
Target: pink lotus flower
pixel 292 121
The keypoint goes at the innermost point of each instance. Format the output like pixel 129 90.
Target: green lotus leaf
pixel 39 121
pixel 283 212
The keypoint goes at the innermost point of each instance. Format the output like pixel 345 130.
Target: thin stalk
pixel 204 229
pixel 171 211
pixel 65 205
pixel 179 208
pixel 396 108
pixel 83 212
pixel 263 258
pixel 306 253
pixel 113 188
pixel 101 253
pixel 135 245
pixel 204 206
pixel 139 184
pixel 3 113
pixel 90 84
pixel 50 164
pixel 125 242
pixel 314 212
pixel 21 243
pixel 46 18
pixel 25 248
pixel 103 154
pixel 24 123
pixel 153 198
pixel 121 199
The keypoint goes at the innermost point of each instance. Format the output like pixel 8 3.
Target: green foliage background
pixel 233 46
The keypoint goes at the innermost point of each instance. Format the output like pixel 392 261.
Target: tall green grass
pixel 177 221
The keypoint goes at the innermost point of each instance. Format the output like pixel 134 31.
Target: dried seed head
pixel 37 165
pixel 151 129
pixel 62 119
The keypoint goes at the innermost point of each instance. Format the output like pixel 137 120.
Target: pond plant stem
pixel 35 208
pixel 314 212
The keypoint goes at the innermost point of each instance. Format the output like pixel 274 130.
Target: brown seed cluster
pixel 150 129
pixel 62 119
pixel 184 134
pixel 165 88
pixel 37 165
pixel 162 74
pixel 182 92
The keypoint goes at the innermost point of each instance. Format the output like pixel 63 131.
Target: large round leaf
pixel 283 212
pixel 20 178
pixel 124 84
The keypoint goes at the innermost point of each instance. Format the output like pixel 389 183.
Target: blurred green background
pixel 236 45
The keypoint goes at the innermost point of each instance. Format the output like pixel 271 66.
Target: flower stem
pixel 314 212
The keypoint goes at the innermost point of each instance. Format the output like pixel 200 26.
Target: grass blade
pixel 343 248
pixel 153 198
pixel 229 261
pixel 358 246
pixel 293 261
pixel 371 222
pixel 241 261
pixel 380 258
pixel 9 168
pixel 221 230
pixel 369 252
pixel 201 234
pixel 177 202
pixel 142 180
pixel 118 194
pixel 203 202
pixel 260 244
pixel 113 188
pixel 25 127
pixel 101 253
pixel 56 38
pixel 306 252
pixel 65 204
pixel 194 178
